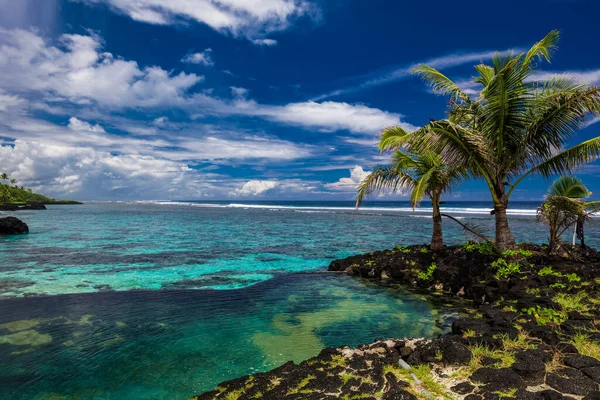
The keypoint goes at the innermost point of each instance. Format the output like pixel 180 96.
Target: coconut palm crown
pixel 517 125
pixel 564 207
pixel 423 174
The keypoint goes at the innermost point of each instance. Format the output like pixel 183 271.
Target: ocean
pixel 163 300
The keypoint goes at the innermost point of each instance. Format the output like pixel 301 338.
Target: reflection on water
pixel 172 344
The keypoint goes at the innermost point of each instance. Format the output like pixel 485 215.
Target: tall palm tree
pixel 518 125
pixel 4 177
pixel 565 207
pixel 424 174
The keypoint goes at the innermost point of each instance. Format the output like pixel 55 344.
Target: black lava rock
pixel 463 388
pixel 572 381
pixel 498 379
pixel 593 373
pixel 579 362
pixel 530 367
pixel 12 226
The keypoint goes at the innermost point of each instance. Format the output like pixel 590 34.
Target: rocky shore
pixel 533 332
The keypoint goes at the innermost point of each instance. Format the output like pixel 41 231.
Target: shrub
pixel 505 269
pixel 428 275
pixel 518 252
pixel 545 316
pixel 486 248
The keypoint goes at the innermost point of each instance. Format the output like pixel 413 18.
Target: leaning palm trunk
pixel 437 237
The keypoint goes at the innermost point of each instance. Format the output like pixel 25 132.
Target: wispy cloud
pixel 591 77
pixel 265 42
pixel 240 18
pixel 381 78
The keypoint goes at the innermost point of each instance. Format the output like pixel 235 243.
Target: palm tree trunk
pixel 504 237
pixel 437 238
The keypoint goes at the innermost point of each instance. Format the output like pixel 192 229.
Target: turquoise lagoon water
pixel 163 300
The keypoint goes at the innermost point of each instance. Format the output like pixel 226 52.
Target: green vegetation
pixel 421 172
pixel 516 253
pixel 10 193
pixel 485 248
pixel 545 316
pixel 402 249
pixel 516 126
pixel 504 269
pixel 423 373
pixel 564 207
pixel 586 346
pixel 427 275
pixel 572 302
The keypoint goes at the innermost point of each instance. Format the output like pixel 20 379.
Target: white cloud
pixel 329 116
pixel 79 72
pixel 204 58
pixel 249 18
pixel 238 91
pixel 254 188
pixel 357 174
pixel 79 125
pixel 591 77
pixel 82 172
pixel 265 42
pixel 395 74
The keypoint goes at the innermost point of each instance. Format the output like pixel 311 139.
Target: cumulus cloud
pixel 239 17
pixel 357 174
pixel 265 42
pixel 254 188
pixel 203 58
pixel 83 172
pixel 79 125
pixel 79 72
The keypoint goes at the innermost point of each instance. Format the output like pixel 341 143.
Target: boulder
pixel 530 367
pixel 498 379
pixel 571 381
pixel 12 226
pixel 578 361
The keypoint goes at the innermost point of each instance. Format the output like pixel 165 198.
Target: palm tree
pixel 564 207
pixel 4 177
pixel 424 174
pixel 518 125
pixel 13 181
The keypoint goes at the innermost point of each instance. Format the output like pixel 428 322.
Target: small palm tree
pixel 424 174
pixel 13 181
pixel 564 208
pixel 516 126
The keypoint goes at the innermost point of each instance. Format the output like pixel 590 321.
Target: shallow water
pixel 173 344
pixel 163 301
pixel 100 246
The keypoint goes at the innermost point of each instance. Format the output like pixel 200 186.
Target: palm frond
pixel 439 82
pixel 422 185
pixel 569 160
pixel 542 49
pixel 486 74
pixel 392 138
pixel 383 177
pixel 569 186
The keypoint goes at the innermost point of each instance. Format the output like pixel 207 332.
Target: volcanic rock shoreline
pixel 532 332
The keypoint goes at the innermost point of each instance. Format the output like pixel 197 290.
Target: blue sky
pixel 247 99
